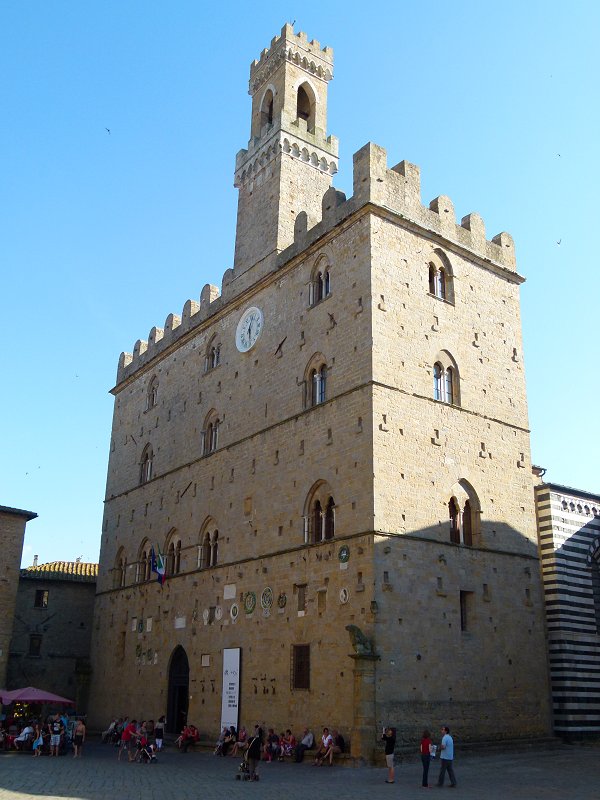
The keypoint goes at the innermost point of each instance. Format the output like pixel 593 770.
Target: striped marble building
pixel 569 533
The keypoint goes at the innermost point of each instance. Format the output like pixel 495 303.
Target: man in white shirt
pixel 306 743
pixel 447 758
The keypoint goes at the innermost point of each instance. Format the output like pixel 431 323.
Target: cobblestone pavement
pixel 561 773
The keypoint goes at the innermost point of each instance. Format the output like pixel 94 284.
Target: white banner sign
pixel 230 701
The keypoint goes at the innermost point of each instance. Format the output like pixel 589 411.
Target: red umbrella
pixel 32 695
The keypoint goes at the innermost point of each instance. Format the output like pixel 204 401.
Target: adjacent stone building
pixel 569 531
pixel 52 629
pixel 12 533
pixel 334 443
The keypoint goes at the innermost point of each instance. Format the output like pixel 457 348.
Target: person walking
pixel 78 738
pixel 425 756
pixel 447 758
pixel 389 737
pixel 159 732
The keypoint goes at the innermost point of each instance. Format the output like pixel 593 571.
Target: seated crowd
pixel 132 736
pixel 279 746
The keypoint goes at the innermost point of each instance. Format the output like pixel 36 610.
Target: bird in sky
pixel 107 130
pixel 559 241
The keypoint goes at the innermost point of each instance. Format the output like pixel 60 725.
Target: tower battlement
pixel 395 190
pixel 398 189
pixel 309 56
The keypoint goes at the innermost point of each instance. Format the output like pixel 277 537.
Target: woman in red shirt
pixel 425 755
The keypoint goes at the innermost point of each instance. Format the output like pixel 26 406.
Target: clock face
pixel 249 329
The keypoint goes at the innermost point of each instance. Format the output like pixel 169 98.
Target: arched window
pixel 319 514
pixel 315 381
pixel 146 464
pixel 171 559
pixel 464 512
pixel 305 106
pixel 144 564
pixel 152 395
pixel 320 282
pixel 446 379
pixel 212 357
pixel 440 276
pixel 208 545
pixel 204 552
pixel 266 111
pixel 173 553
pixel 210 433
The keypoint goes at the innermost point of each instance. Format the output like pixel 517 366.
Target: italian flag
pixel 158 565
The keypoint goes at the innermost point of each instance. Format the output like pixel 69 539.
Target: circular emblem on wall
pixel 249 602
pixel 344 553
pixel 249 329
pixel 266 598
pixel 234 611
pixel 282 600
pixel 205 615
pixel 344 596
pixel 218 612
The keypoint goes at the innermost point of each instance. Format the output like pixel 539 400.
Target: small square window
pixel 35 644
pixel 41 598
pixel 300 666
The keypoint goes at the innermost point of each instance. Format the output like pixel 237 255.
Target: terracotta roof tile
pixel 62 570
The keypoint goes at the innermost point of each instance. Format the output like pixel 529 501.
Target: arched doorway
pixel 178 692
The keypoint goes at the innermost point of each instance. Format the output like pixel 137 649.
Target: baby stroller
pixel 244 770
pixel 146 753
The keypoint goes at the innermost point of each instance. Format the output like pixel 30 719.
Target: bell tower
pixel 290 160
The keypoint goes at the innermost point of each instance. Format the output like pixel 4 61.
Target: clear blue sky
pixel 102 236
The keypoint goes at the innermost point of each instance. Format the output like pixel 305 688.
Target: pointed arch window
pixel 208 549
pixel 212 357
pixel 171 559
pixel 302 104
pixel 210 434
pixel 446 385
pixel 266 111
pixel 464 512
pixel 144 564
pixel 319 515
pixel 152 394
pixel 146 464
pixel 319 287
pixel 440 277
pixel 305 106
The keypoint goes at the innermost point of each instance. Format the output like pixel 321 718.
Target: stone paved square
pixel 559 773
